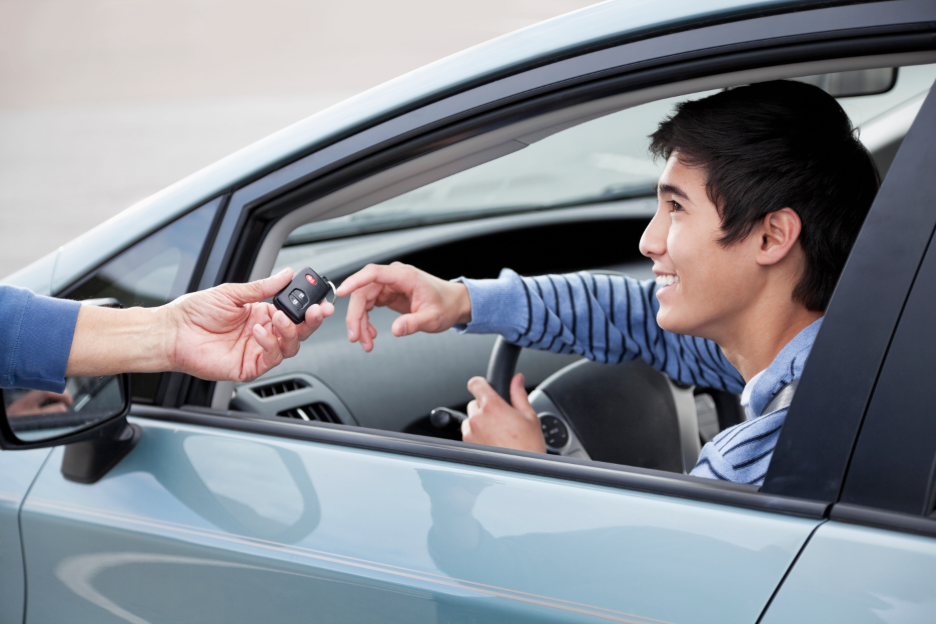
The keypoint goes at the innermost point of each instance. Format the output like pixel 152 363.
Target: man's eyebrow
pixel 672 190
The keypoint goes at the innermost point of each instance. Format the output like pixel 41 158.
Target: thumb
pixel 259 290
pixel 483 392
pixel 423 320
pixel 518 396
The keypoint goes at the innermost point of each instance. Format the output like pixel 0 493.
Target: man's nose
pixel 653 241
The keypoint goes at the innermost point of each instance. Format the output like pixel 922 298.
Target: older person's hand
pixel 224 333
pixel 39 402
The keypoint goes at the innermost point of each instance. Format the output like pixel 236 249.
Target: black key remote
pixel 305 289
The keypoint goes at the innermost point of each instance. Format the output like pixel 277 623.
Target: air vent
pixel 321 412
pixel 278 388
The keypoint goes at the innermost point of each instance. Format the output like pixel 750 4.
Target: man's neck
pixel 756 340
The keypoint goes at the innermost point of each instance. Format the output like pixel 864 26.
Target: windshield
pixel 601 160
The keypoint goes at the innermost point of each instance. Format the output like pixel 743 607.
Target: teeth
pixel 666 280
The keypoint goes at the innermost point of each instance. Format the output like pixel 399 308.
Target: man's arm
pixel 605 318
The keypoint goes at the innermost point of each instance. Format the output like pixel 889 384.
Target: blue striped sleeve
pixel 742 453
pixel 35 339
pixel 606 318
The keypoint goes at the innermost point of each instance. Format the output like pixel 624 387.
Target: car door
pixel 223 516
pixel 875 560
pixel 203 523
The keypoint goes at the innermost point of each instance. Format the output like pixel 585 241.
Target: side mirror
pixel 90 417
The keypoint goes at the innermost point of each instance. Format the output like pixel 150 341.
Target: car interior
pixel 567 190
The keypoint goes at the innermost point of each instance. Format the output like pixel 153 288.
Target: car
pixel 324 490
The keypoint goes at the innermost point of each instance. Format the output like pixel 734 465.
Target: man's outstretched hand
pixel 427 303
pixel 493 421
pixel 224 333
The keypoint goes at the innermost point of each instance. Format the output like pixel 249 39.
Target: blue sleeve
pixel 742 453
pixel 606 318
pixel 35 339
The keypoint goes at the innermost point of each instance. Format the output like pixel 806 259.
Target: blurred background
pixel 104 102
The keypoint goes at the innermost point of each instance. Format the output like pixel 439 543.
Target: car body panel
pixel 597 26
pixel 348 534
pixel 859 575
pixel 18 469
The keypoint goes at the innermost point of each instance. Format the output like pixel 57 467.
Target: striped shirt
pixel 612 318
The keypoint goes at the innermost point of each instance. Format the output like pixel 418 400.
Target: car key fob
pixel 305 289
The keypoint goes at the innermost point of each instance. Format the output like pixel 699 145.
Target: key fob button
pixel 306 288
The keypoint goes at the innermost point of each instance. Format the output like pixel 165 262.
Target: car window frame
pixel 889 432
pixel 166 383
pixel 253 209
pixel 885 260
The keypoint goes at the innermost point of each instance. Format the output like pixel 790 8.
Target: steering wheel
pixel 628 413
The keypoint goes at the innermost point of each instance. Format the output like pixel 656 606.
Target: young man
pixel 764 192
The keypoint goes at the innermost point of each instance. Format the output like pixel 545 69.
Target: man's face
pixel 705 287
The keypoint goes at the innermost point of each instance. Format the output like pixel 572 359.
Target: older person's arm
pixel 227 332
pixel 224 333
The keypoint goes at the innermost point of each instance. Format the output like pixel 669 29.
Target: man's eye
pixel 675 206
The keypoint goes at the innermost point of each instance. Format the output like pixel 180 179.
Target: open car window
pixel 606 159
pixel 573 198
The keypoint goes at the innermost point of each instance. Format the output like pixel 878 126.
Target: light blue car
pixel 324 492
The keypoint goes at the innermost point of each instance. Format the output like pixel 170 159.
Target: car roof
pixel 595 26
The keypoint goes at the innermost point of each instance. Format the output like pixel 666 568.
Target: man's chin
pixel 670 322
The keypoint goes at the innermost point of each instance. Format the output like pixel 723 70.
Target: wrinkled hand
pixel 228 332
pixel 427 303
pixel 492 421
pixel 32 403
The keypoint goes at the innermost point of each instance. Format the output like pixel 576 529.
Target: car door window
pixel 601 163
pixel 601 160
pixel 151 273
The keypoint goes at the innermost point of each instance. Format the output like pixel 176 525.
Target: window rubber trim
pixel 881 519
pixel 555 467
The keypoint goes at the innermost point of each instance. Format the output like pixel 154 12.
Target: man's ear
pixel 776 235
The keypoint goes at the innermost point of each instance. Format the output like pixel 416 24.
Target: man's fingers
pixel 483 392
pixel 373 273
pixel 259 290
pixel 424 320
pixel 361 301
pixel 365 336
pixel 466 430
pixel 519 398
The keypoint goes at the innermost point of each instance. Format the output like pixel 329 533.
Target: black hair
pixel 773 145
